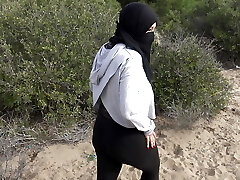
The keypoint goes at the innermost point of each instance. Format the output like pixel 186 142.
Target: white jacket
pixel 118 78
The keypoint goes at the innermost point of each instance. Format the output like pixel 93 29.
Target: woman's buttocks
pixel 108 134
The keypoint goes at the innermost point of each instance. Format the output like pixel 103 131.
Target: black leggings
pixel 116 145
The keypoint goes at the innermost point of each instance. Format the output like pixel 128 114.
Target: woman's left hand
pixel 151 140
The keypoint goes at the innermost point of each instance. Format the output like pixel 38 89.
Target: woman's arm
pixel 135 98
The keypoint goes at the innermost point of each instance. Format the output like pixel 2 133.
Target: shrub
pixel 125 2
pixel 220 20
pixel 187 78
pixel 18 146
pixel 46 51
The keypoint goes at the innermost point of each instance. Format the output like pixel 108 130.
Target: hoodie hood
pixel 105 65
pixel 102 61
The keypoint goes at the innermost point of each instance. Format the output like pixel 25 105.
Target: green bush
pixel 172 13
pixel 46 51
pixel 219 20
pixel 125 2
pixel 47 48
pixel 187 78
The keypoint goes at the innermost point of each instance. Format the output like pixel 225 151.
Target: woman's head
pixel 136 19
pixel 135 28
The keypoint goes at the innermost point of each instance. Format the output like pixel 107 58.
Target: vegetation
pixel 218 20
pixel 47 48
pixel 188 82
pixel 46 52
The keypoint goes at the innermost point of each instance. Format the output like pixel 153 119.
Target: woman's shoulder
pixel 120 52
pixel 125 51
pixel 130 57
pixel 128 54
pixel 133 54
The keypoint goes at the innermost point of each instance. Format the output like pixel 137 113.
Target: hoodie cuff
pixel 146 133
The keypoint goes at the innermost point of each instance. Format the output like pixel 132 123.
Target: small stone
pixel 178 151
pixel 211 172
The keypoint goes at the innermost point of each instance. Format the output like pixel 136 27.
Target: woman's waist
pixel 116 121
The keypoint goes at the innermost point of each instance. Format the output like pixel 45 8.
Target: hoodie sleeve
pixel 136 96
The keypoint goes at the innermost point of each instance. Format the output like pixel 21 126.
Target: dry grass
pixel 20 145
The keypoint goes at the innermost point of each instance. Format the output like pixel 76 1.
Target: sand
pixel 209 151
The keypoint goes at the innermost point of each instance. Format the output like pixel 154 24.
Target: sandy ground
pixel 209 151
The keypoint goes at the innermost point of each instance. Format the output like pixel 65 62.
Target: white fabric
pixel 118 78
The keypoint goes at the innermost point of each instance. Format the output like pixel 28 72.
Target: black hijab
pixel 134 21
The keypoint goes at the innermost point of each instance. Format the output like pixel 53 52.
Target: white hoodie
pixel 118 78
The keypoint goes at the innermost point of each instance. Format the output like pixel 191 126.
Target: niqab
pixel 134 21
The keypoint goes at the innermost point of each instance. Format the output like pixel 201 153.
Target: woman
pixel 123 97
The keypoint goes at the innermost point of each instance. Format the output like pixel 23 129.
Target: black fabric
pixel 134 21
pixel 116 145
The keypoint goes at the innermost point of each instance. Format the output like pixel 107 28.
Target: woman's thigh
pixel 107 168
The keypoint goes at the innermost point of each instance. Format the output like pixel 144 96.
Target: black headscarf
pixel 134 21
